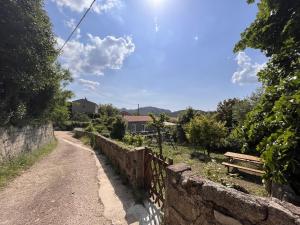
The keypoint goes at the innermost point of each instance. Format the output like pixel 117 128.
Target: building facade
pixel 84 106
pixel 137 124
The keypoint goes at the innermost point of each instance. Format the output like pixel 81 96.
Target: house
pixel 84 106
pixel 137 124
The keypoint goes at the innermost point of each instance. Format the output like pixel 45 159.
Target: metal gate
pixel 155 176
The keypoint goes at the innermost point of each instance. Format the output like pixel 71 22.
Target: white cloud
pixel 247 71
pixel 91 85
pixel 97 55
pixel 82 5
pixel 196 38
pixel 72 24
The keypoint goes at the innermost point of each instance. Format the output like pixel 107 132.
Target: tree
pixel 184 118
pixel 273 127
pixel 206 132
pixel 108 110
pixel 225 112
pixel 242 107
pixel 30 78
pixel 158 124
pixel 187 115
pixel 118 129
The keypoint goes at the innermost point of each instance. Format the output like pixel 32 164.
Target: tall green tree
pixel 30 78
pixel 184 118
pixel 273 127
pixel 225 112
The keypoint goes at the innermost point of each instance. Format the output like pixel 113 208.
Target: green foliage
pixel 81 117
pixel 118 129
pixel 206 132
pixel 135 140
pixel 108 110
pixel 90 128
pixel 242 107
pixel 225 112
pixel 273 127
pixel 186 116
pixel 30 79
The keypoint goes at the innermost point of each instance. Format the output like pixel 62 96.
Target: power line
pixel 71 34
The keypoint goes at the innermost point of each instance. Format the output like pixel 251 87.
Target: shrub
pixel 90 128
pixel 81 117
pixel 118 129
pixel 136 140
pixel 206 132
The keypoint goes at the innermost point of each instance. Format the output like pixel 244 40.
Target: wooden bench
pixel 243 158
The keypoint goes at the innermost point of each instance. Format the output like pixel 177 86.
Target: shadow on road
pixel 113 192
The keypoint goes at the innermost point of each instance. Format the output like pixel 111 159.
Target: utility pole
pixel 138 110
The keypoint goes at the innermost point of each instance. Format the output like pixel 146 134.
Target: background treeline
pixel 219 130
pixel 31 81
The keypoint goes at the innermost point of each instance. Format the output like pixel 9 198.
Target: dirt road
pixel 70 186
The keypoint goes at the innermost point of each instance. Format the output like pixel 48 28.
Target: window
pixel 134 127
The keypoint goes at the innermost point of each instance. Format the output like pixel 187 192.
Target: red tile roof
pixel 137 118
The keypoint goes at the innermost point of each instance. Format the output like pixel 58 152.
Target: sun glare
pixel 157 3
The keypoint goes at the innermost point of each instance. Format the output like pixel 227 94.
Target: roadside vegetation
pixel 15 167
pixel 32 82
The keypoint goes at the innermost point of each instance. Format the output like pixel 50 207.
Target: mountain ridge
pixel 155 110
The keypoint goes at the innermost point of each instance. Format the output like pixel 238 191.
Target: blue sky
pixel 164 53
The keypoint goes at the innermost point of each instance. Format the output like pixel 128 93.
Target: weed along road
pixel 69 186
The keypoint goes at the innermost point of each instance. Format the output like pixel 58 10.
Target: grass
pixel 212 169
pixel 13 168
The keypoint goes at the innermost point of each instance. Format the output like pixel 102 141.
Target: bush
pixel 90 128
pixel 118 129
pixel 81 117
pixel 206 132
pixel 136 140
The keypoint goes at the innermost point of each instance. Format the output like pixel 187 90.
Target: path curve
pixel 72 185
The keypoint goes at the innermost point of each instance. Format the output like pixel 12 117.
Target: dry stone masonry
pixel 129 162
pixel 193 200
pixel 14 140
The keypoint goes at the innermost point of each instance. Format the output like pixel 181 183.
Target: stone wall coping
pixel 234 201
pixel 179 168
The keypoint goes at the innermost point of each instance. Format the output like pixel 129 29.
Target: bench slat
pixel 243 157
pixel 243 168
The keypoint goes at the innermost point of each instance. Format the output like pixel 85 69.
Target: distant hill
pixel 150 109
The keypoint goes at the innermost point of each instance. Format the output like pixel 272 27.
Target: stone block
pixel 183 204
pixel 224 219
pixel 280 215
pixel 236 203
pixel 174 218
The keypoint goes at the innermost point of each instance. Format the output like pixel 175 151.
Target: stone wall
pixel 129 162
pixel 14 141
pixel 193 200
